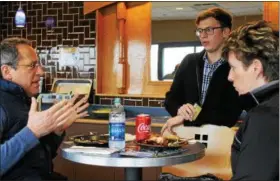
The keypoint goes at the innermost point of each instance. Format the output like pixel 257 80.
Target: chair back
pixel 218 140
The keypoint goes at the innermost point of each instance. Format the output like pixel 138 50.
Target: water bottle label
pixel 117 131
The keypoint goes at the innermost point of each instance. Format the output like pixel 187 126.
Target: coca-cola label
pixel 143 128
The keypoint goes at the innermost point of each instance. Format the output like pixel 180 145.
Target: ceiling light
pixel 179 8
pixel 50 22
pixel 204 6
pixel 20 17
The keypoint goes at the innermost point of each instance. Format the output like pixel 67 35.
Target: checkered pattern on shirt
pixel 208 71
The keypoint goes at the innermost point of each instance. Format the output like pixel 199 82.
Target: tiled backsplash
pixel 71 29
pixel 131 101
pixel 67 62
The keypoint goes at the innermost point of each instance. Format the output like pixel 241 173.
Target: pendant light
pixel 50 24
pixel 20 17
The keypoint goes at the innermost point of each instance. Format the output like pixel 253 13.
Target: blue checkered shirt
pixel 208 71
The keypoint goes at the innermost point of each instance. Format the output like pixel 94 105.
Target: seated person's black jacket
pixel 37 163
pixel 255 148
pixel 221 105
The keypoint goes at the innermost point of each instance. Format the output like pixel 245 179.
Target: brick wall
pixel 131 101
pixel 71 29
pixel 71 26
pixel 59 65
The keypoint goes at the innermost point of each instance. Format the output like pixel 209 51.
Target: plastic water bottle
pixel 117 126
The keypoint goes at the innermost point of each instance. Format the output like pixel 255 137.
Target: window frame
pixel 161 47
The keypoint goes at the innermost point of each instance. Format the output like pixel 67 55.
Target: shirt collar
pixel 205 58
pixel 260 94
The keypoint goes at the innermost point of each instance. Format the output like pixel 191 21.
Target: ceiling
pixel 189 10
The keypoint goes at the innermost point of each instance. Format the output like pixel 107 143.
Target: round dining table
pixel 133 165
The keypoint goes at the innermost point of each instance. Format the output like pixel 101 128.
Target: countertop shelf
pixel 102 121
pixel 127 123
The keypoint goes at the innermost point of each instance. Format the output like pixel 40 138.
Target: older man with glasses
pixel 202 78
pixel 28 138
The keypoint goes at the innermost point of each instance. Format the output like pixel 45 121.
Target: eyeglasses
pixel 32 65
pixel 208 30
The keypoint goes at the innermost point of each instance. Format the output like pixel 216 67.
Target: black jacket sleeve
pixel 258 157
pixel 222 105
pixel 224 112
pixel 174 98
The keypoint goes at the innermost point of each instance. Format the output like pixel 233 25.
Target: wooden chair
pixel 218 140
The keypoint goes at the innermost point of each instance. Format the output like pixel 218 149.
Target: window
pixel 173 56
pixel 165 57
pixel 154 62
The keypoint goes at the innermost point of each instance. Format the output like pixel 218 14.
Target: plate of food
pixel 158 141
pixel 97 140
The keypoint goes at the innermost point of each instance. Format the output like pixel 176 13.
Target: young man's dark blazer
pixel 221 105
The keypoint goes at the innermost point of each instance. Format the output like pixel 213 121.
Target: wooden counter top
pixel 133 95
pixel 99 121
pixel 129 123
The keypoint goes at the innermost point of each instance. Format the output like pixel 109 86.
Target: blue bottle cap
pixel 117 100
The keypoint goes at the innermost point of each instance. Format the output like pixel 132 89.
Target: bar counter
pixel 103 121
pixel 127 123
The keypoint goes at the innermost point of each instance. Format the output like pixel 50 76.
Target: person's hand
pixel 77 110
pixel 44 122
pixel 170 123
pixel 187 111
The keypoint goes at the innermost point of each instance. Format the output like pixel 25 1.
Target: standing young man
pixel 202 78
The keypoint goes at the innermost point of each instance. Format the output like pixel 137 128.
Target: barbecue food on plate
pixel 166 141
pixel 172 137
pixel 156 139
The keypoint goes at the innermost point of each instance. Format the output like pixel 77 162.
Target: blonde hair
pixel 256 40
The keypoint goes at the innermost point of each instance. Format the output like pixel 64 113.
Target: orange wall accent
pixel 138 31
pixel 271 13
pixel 92 6
pixel 107 49
pixel 126 26
pixel 121 71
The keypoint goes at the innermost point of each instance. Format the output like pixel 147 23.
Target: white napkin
pixel 128 137
pixel 91 150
